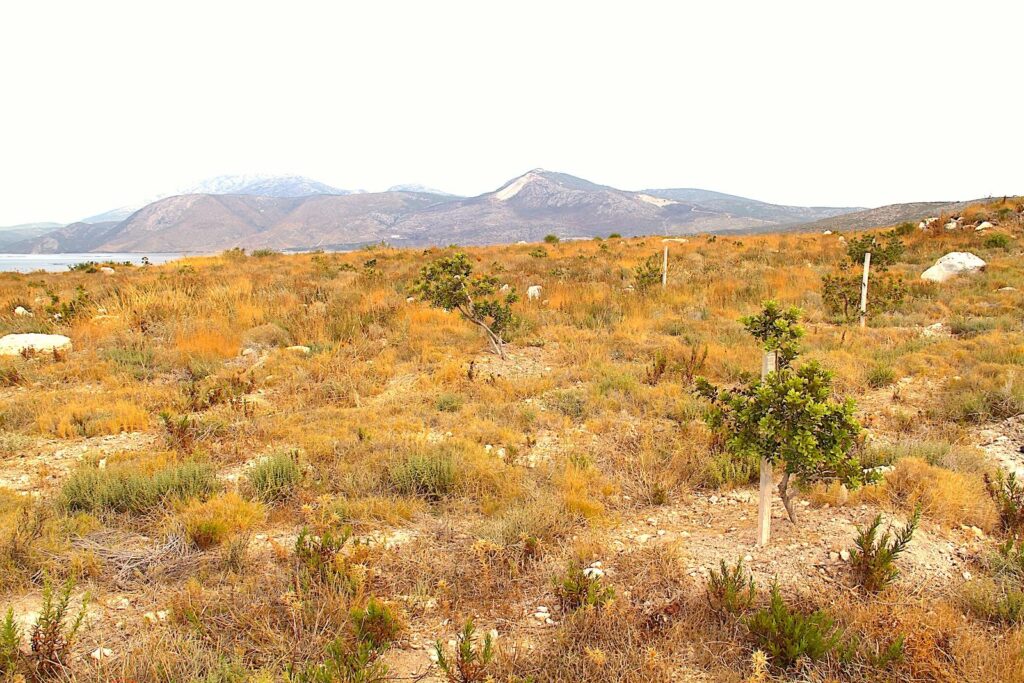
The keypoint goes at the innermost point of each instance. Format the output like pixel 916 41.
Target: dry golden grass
pixel 474 481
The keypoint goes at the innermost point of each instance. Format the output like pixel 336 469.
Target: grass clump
pixel 376 624
pixel 274 478
pixel 1008 495
pixel 130 488
pixel 949 497
pixel 431 476
pixel 212 522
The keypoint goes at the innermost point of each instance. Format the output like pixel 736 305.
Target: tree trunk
pixel 787 498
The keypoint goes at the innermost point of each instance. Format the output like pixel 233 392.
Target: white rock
pixel 844 555
pixel 953 264
pixel 107 270
pixel 1007 289
pixel 101 653
pixel 593 572
pixel 410 299
pixel 23 312
pixel 952 225
pixel 298 349
pixel 985 225
pixel 827 232
pixel 533 292
pixel 16 344
pixel 833 556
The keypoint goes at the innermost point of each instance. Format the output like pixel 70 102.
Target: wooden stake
pixel 769 363
pixel 664 270
pixel 864 289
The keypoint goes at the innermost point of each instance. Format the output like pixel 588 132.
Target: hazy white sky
pixel 860 103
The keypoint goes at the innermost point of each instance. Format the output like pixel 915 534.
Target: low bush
pixel 1008 495
pixel 274 478
pixel 376 624
pixel 131 488
pixel 731 590
pixel 873 558
pixel 430 475
pixel 580 587
pixel 787 636
pixel 469 660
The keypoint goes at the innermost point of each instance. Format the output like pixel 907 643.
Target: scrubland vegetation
pixel 302 467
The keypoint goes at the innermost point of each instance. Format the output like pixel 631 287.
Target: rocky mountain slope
pixel 291 212
pixel 886 215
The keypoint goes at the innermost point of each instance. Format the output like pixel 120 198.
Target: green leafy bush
pixel 886 249
pixel 647 274
pixel 376 624
pixel 997 240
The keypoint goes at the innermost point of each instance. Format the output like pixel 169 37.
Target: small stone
pixel 22 311
pixel 834 556
pixel 298 349
pixel 844 555
pixel 101 653
pixel 967 576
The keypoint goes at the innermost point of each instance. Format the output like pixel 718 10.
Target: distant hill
pixel 257 185
pixel 741 206
pixel 885 215
pixel 12 234
pixel 291 212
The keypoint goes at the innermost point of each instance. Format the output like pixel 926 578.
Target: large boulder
pixel 17 344
pixel 953 264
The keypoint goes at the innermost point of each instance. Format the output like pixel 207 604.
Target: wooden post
pixel 664 270
pixel 864 289
pixel 769 363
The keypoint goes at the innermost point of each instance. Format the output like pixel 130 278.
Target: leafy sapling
pixel 788 416
pixel 449 283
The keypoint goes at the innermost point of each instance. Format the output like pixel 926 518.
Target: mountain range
pixel 294 213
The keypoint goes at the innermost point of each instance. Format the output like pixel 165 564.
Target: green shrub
pixel 647 274
pixel 274 478
pixel 539 252
pixel 1008 495
pixel 127 488
pixel 449 403
pixel 996 601
pixel 429 475
pixel 881 376
pixel 376 624
pixel 732 590
pixel 53 633
pixel 787 636
pixel 10 644
pixel 569 403
pixel 580 587
pixel 552 239
pixel 997 240
pixel 873 557
pixel 469 661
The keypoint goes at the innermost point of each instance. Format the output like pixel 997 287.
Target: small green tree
pixel 886 249
pixel 841 296
pixel 449 283
pixel 778 330
pixel 788 416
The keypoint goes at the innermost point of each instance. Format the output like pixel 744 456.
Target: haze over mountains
pixel 293 212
